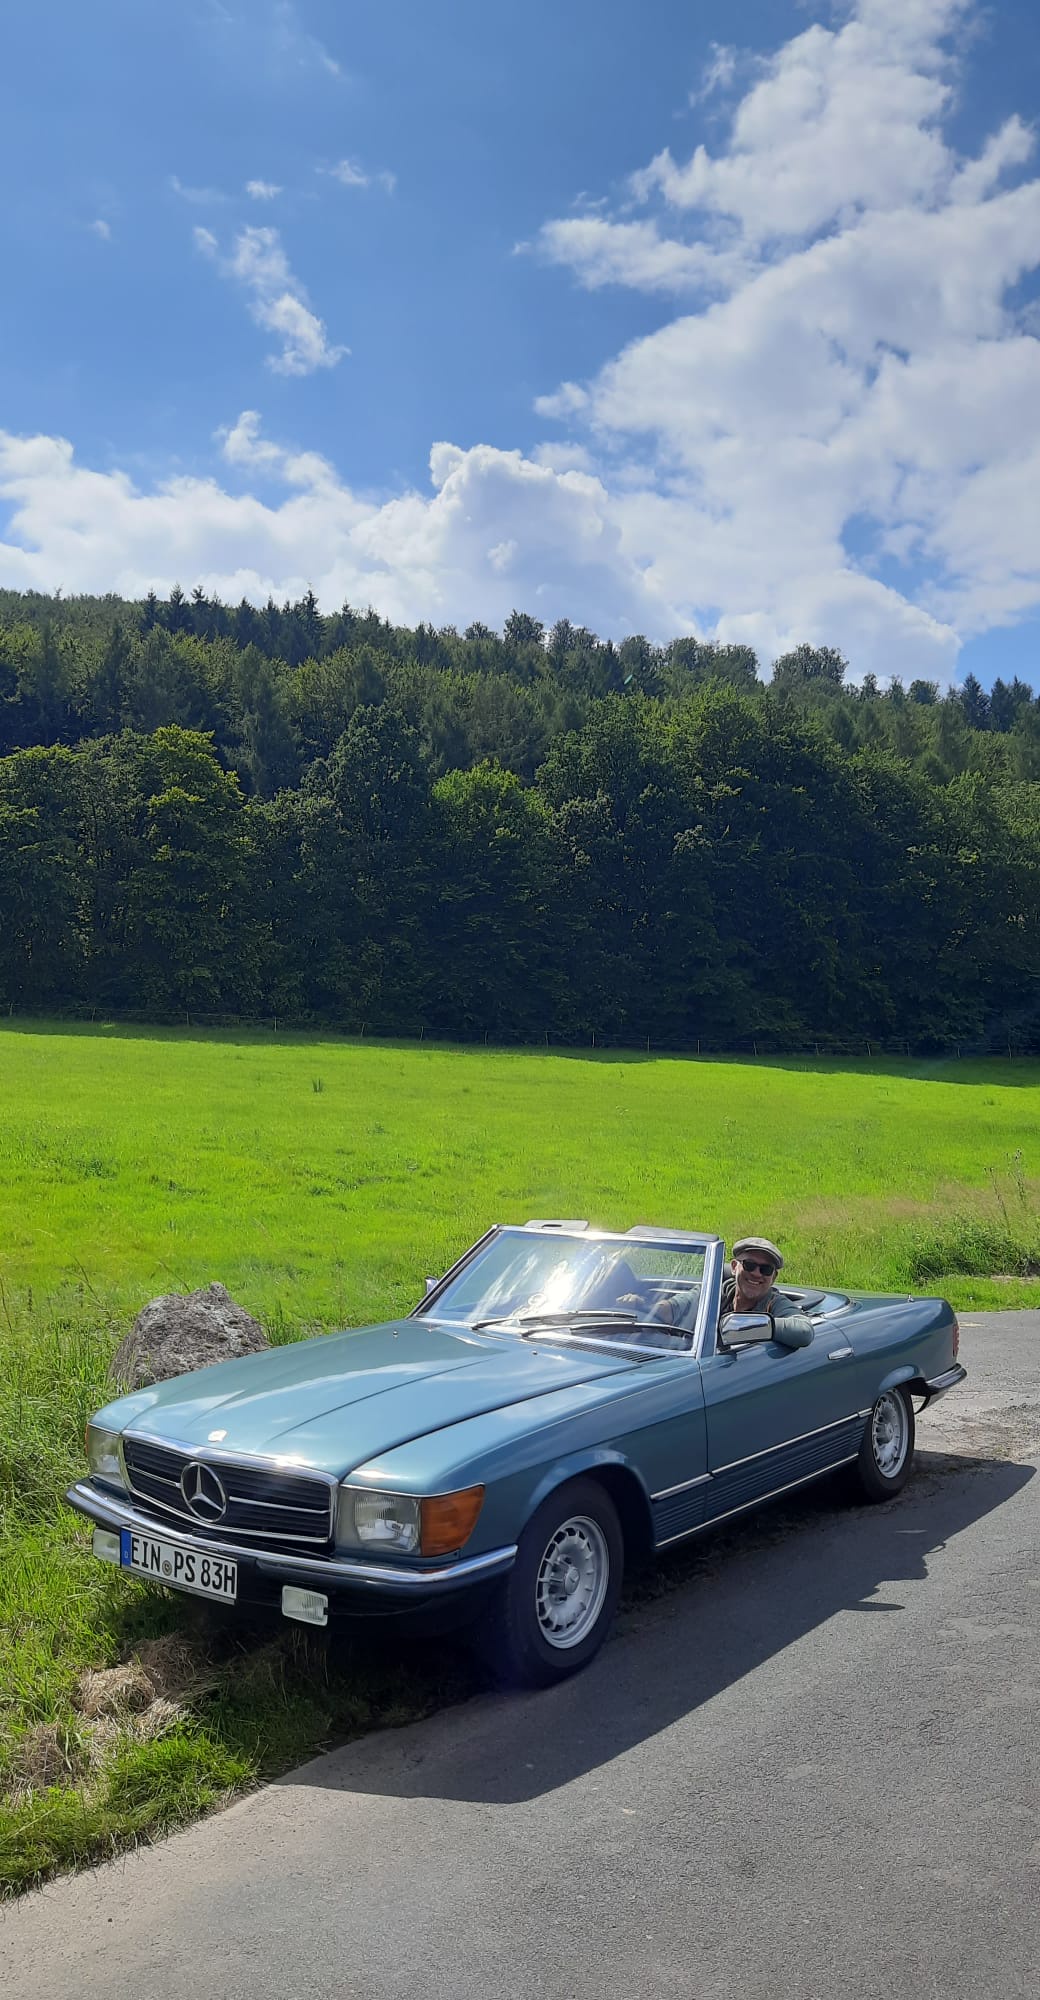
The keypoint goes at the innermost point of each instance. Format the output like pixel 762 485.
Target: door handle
pixel 839 1353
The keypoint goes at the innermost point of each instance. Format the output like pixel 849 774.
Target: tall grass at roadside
pixel 133 1163
pixel 76 1786
pixel 998 1237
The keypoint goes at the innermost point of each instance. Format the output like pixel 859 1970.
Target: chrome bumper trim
pixel 947 1380
pixel 109 1512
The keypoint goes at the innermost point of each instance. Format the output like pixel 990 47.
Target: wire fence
pixel 999 1043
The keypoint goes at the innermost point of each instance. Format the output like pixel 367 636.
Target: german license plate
pixel 183 1569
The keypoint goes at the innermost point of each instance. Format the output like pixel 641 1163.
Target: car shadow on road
pixel 687 1633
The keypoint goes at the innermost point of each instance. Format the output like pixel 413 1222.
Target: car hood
pixel 334 1402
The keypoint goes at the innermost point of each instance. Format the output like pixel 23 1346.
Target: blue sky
pixel 714 318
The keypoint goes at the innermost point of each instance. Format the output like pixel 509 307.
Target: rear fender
pixel 906 1377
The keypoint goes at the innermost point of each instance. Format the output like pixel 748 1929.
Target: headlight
pixel 402 1524
pixel 366 1519
pixel 103 1457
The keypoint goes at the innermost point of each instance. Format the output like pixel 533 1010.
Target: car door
pixel 777 1415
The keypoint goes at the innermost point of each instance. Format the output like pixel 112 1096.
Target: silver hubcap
pixel 572 1582
pixel 890 1434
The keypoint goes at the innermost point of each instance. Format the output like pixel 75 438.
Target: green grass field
pixel 321 1181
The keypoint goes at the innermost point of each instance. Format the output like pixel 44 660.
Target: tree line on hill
pixel 331 819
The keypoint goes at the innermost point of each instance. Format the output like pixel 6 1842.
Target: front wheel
pixel 887 1452
pixel 558 1602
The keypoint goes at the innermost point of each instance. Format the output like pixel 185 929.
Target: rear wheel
pixel 558 1602
pixel 887 1452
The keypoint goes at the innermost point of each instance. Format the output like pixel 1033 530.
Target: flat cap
pixel 762 1245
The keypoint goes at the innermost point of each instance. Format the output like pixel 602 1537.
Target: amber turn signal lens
pixel 449 1519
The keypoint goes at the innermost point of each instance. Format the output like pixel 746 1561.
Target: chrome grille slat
pixel 264 1502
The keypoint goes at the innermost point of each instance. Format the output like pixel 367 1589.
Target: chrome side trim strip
pixel 109 1512
pixel 787 1443
pixel 702 1479
pixel 761 1498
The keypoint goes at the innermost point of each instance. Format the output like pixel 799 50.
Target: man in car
pixel 750 1286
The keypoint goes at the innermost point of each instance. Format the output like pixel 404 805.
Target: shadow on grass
pixel 1023 1072
pixel 690 1632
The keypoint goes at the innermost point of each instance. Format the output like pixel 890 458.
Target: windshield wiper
pixel 559 1319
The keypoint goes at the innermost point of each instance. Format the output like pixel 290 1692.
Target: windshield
pixel 619 1287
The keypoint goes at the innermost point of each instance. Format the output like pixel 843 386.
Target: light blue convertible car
pixel 563 1402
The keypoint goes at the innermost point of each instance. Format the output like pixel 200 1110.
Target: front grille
pixel 262 1501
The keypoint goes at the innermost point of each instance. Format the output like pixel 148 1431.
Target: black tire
pixel 556 1606
pixel 886 1455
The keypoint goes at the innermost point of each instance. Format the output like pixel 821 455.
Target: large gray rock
pixel 182 1331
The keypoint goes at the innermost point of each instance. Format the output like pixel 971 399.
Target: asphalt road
pixel 810 1771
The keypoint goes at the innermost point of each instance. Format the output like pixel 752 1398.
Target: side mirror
pixel 431 1285
pixel 745 1329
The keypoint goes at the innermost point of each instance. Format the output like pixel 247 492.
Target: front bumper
pixel 376 1585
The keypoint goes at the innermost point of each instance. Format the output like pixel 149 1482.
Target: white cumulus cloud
pixel 719 72
pixel 493 531
pixel 350 173
pixel 851 369
pixel 277 300
pixel 827 437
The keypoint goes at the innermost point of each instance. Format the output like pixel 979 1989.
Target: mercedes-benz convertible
pixel 563 1402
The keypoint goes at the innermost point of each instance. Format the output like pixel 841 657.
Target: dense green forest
pixel 227 811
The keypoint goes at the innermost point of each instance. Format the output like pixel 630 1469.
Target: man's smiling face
pixel 754 1274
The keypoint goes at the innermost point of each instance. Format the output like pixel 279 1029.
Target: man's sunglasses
pixel 764 1270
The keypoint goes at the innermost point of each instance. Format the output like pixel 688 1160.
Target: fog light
pixel 309 1607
